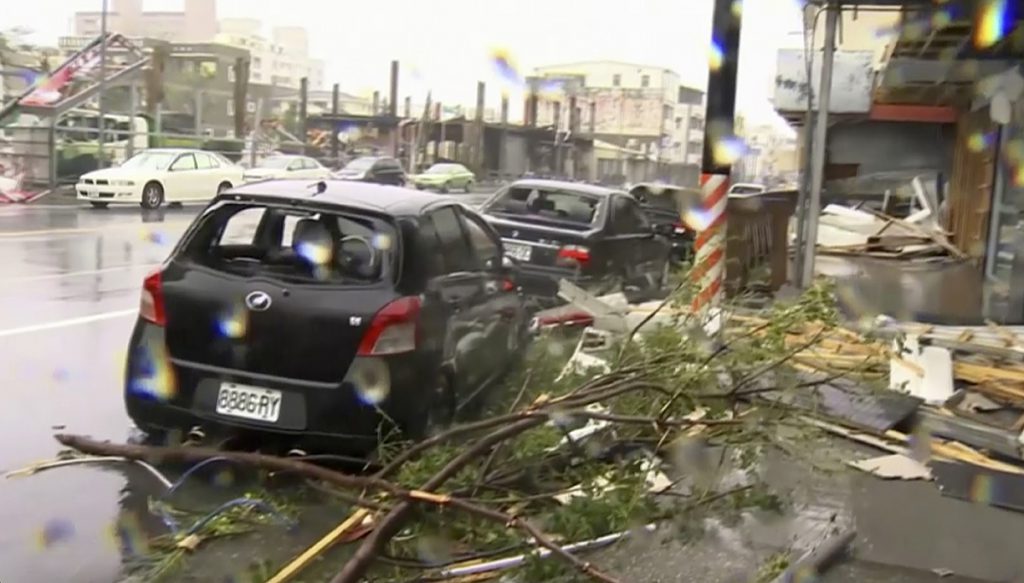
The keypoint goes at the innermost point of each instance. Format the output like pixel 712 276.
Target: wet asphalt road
pixel 69 287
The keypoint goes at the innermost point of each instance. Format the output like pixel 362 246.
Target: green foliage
pixel 773 567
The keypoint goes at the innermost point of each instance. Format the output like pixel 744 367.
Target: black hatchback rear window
pixel 293 244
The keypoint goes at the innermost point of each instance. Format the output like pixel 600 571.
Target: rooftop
pixel 392 200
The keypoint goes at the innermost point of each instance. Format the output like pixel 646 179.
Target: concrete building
pixel 281 60
pixel 771 156
pixel 634 110
pixel 196 23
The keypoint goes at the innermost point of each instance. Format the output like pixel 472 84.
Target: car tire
pixel 99 205
pixel 439 413
pixel 223 186
pixel 469 187
pixel 443 189
pixel 152 196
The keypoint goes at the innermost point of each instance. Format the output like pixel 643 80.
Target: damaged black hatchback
pixel 317 313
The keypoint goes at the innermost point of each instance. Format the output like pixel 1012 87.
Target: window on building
pixel 696 123
pixel 616 80
pixel 645 80
pixel 679 123
pixel 231 107
pixel 257 62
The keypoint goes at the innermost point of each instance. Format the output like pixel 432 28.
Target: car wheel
pixel 469 187
pixel 152 195
pixel 223 186
pixel 420 187
pixel 443 189
pixel 439 413
pixel 99 205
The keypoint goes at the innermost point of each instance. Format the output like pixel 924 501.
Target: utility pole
pixel 818 146
pixel 335 105
pixel 710 243
pixel 303 111
pixel 102 125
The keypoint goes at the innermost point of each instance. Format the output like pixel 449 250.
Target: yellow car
pixel 444 177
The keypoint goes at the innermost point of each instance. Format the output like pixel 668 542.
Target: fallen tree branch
pixel 396 515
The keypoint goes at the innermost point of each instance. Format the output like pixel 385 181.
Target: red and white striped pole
pixel 708 274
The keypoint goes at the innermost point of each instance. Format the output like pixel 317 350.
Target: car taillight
pixel 679 228
pixel 151 308
pixel 573 255
pixel 394 330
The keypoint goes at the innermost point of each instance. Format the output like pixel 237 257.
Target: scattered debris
pixel 922 371
pixel 895 466
pixel 865 232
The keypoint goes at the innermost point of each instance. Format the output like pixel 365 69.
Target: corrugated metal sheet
pixel 971 183
pixel 852 78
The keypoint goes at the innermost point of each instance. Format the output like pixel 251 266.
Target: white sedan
pixel 157 176
pixel 285 166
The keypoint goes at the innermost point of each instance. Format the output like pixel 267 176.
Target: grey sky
pixel 449 41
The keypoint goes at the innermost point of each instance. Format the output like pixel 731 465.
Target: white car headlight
pixel 122 183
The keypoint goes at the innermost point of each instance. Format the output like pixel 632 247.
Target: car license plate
pixel 518 252
pixel 249 402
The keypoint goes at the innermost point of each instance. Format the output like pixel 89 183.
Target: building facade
pixel 281 60
pixel 639 108
pixel 196 23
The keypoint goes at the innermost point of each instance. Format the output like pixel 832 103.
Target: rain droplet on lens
pixel 371 380
pixel 225 478
pixel 920 441
pixel 153 375
pixel 55 531
pixel 381 241
pixel 561 419
pixel 233 323
pixel 434 550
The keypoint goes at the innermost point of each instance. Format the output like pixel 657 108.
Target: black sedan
pixel 662 203
pixel 382 170
pixel 316 313
pixel 596 237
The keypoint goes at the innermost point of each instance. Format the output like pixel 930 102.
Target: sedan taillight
pixel 573 256
pixel 394 329
pixel 151 306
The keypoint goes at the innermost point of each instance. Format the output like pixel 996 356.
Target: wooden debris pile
pixel 865 232
pixel 986 362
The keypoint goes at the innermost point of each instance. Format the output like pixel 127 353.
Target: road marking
pixel 77 230
pixel 67 323
pixel 78 273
